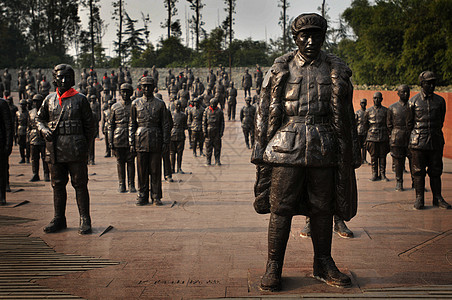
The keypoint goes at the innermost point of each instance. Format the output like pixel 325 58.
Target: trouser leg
pixel 217 150
pixel 143 177
pixel 131 172
pixel 3 177
pixel 399 166
pixel 155 165
pixel 120 165
pixel 180 152
pixel 209 148
pixel 35 156
pixel 79 180
pixel 45 165
pixel 245 134
pixel 382 163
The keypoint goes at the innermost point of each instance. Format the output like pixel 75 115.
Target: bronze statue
pixel 167 170
pixel 21 123
pixel 95 108
pixel 213 128
pixel 198 88
pixel 177 138
pixel 106 113
pixel 362 132
pixel 232 101
pixel 247 83
pixel 119 137
pixel 427 113
pixel 211 80
pixel 149 135
pixel 183 95
pixel 7 78
pixel 398 115
pixel 247 114
pixel 168 80
pixel 306 149
pixel 194 120
pixel 377 140
pixel 37 142
pixel 66 121
pixel 6 146
pixel 259 77
pixel 44 87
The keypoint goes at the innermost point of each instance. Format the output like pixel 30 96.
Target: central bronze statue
pixel 306 149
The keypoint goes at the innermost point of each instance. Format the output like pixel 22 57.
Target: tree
pixel 134 42
pixel 212 48
pixel 146 21
pixel 173 28
pixel 248 52
pixel 195 22
pixel 284 4
pixel 118 15
pixel 172 53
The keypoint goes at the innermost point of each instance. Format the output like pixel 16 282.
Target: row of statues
pixel 306 142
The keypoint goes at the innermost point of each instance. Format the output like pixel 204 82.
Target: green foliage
pixel 172 53
pixel 398 39
pixel 249 53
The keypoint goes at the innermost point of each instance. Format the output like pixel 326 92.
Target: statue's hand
pixel 47 133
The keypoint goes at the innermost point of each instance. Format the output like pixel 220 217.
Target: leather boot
pixel 58 222
pixel 208 161
pixel 341 228
pixel 438 200
pixel 399 186
pixel 45 167
pixel 46 177
pixel 306 231
pixel 121 176
pixel 278 234
pixel 398 168
pixel 419 184
pixel 131 176
pixel 82 197
pixel 324 267
pixel 35 170
pixel 374 166
pixel 382 162
pixel 179 163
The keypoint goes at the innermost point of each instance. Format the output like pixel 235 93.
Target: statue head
pixel 378 98
pixel 363 103
pixel 63 77
pixel 308 31
pixel 37 100
pixel 92 98
pixel 248 101
pixel 427 80
pixel 126 91
pixel 403 91
pixel 178 106
pixel 148 85
pixel 213 103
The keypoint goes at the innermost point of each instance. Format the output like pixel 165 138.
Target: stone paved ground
pixel 207 241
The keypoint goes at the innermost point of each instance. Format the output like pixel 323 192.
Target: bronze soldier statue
pixel 211 80
pixel 37 142
pixel 427 114
pixel 106 113
pixel 398 116
pixel 167 170
pixel 168 80
pixel 362 132
pixel 183 95
pixel 118 135
pixel 114 83
pixel 95 108
pixel 213 128
pixel 44 86
pixel 198 88
pixel 247 83
pixel 219 93
pixel 259 77
pixel 7 78
pixel 66 121
pixel 178 138
pixel 21 123
pixel 247 118
pixel 377 140
pixel 306 149
pixel 149 135
pixel 194 119
pixel 232 101
pixel 6 146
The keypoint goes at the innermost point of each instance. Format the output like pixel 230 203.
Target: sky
pixel 256 19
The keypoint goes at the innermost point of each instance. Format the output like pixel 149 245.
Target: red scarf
pixel 212 108
pixel 69 93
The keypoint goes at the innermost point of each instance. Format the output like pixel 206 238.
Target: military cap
pixel 126 86
pixel 426 76
pixel 23 102
pixel 308 21
pixel 248 99
pixel 148 80
pixel 38 97
pixel 363 100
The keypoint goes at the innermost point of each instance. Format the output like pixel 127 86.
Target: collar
pixel 213 109
pixel 424 96
pixel 69 93
pixel 302 61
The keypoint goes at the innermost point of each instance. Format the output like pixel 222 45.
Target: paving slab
pixel 207 241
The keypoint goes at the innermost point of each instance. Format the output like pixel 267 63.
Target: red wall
pixel 390 97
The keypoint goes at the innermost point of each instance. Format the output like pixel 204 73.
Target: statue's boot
pixel 45 166
pixel 82 197
pixel 341 228
pixel 398 166
pixel 121 177
pixel 438 200
pixel 306 231
pixel 131 177
pixel 35 170
pixel 374 167
pixel 324 267
pixel 419 185
pixel 58 222
pixel 179 163
pixel 382 162
pixel 278 234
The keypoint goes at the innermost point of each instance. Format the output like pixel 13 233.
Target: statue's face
pixel 428 86
pixel 148 90
pixel 178 107
pixel 363 105
pixel 404 94
pixel 378 99
pixel 126 94
pixel 63 80
pixel 310 42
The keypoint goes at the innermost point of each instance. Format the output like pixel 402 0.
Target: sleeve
pixel 42 116
pixel 87 120
pixel 7 123
pixel 111 126
pixel 133 125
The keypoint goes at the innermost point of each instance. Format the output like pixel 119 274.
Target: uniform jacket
pixel 282 140
pixel 359 117
pixel 375 120
pixel 76 127
pixel 6 128
pixel 21 122
pixel 213 122
pixel 247 114
pixel 195 116
pixel 179 126
pixel 397 122
pixel 247 81
pixel 34 136
pixel 149 125
pixel 426 121
pixel 118 124
pixel 232 96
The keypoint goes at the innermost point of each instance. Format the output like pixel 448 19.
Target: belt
pixel 309 119
pixel 122 125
